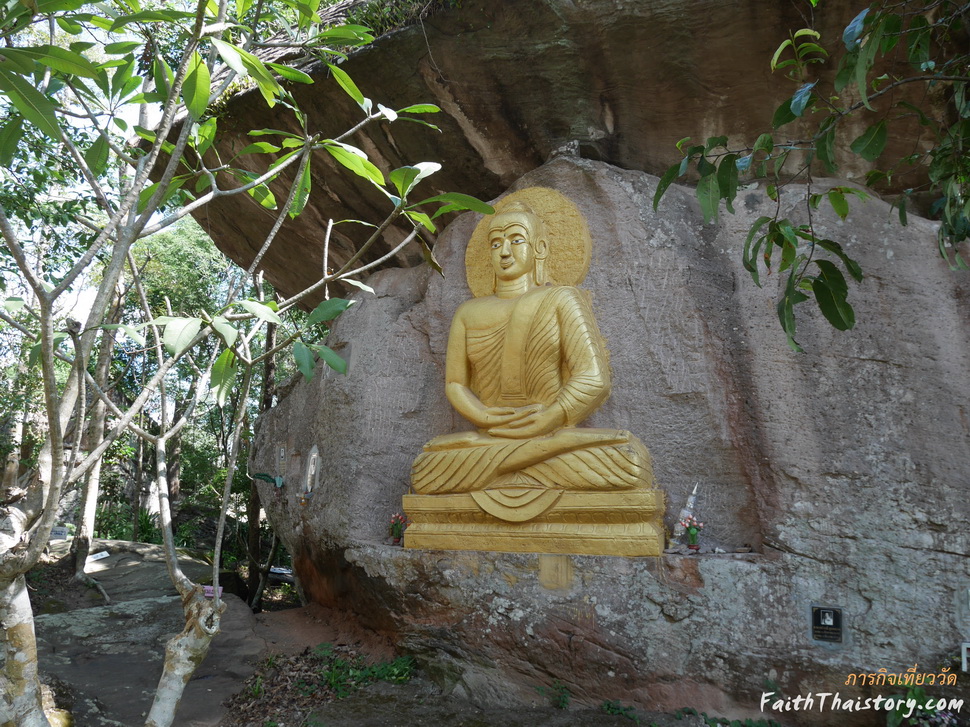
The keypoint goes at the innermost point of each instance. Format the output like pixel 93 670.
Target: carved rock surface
pixel 846 468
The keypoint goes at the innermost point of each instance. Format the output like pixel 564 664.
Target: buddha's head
pixel 518 244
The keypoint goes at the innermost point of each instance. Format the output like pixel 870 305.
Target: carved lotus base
pixel 578 523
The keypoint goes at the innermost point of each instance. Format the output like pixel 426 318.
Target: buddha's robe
pixel 547 349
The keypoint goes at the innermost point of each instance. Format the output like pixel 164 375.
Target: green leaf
pixel 150 16
pixel 846 70
pixel 148 192
pixel 901 205
pixel 836 249
pixel 260 147
pixel 749 257
pixel 275 132
pixel 133 334
pixel 205 135
pixel 179 333
pixel 120 49
pixel 10 136
pixel 891 27
pixel 33 358
pixel 405 179
pixel 764 142
pixel 290 74
pixel 302 192
pixel 422 219
pixel 727 180
pixel 918 41
pixel 346 34
pixel 223 376
pixel 264 196
pixel 227 332
pixel 231 55
pixel 96 156
pixel 421 108
pixel 783 114
pixel 69 26
pixel 65 61
pixel 304 359
pixel 709 195
pixel 429 258
pixel 715 141
pixel 328 310
pixel 838 202
pixel 830 293
pixel 260 310
pixel 704 167
pixel 463 201
pixel 31 103
pixel 852 32
pixel 665 181
pixel 825 145
pixel 871 144
pixel 242 7
pixel 163 76
pixel 268 86
pixel 358 284
pixel 773 64
pixel 331 358
pixel 345 82
pixel 359 165
pixel 867 55
pixel 786 311
pixel 801 98
pixel 14 304
pixel 196 87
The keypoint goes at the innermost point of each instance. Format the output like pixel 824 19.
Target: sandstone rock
pixel 845 468
pixel 621 82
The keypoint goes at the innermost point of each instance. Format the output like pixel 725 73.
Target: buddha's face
pixel 512 252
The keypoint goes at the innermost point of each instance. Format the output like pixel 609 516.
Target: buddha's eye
pixel 517 240
pixel 496 244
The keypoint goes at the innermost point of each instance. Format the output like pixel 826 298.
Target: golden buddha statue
pixel 525 365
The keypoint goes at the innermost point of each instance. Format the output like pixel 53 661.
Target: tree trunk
pixel 183 654
pixel 253 543
pixel 81 544
pixel 257 597
pixel 21 701
pixel 255 583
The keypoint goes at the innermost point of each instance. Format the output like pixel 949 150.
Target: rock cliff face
pixel 515 82
pixel 845 468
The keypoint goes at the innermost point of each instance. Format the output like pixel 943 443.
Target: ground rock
pixel 108 659
pixel 845 468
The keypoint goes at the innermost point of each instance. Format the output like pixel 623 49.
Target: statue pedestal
pixel 579 523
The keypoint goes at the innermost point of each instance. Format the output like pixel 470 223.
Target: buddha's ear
pixel 541 248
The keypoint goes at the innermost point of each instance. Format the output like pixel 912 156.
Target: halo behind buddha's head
pixel 560 222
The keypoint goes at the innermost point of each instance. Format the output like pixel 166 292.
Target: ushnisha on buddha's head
pixel 518 244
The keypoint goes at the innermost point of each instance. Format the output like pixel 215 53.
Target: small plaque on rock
pixel 827 624
pixel 59 533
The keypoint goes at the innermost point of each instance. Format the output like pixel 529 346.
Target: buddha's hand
pixel 531 421
pixel 501 416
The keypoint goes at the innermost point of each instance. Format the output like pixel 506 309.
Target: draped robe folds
pixel 546 350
